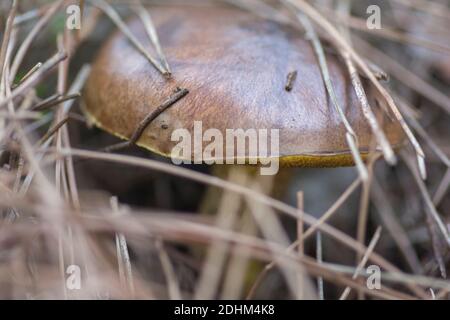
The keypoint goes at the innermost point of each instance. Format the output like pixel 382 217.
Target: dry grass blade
pixel 217 252
pixel 54 101
pixel 28 74
pixel 363 262
pixel 319 257
pixel 35 77
pixel 182 231
pixel 7 35
pixel 385 146
pixel 123 256
pixel 261 9
pixel 434 8
pixel 390 221
pixel 114 16
pixel 438 246
pixel 272 230
pixel 341 44
pixel 386 32
pixel 423 133
pixel 23 49
pixel 331 211
pixel 146 19
pixel 238 267
pixel 352 139
pixel 407 77
pixel 214 181
pixel 169 272
pixel 53 130
pixel 442 188
pixel 389 156
pixel 301 245
pixel 431 209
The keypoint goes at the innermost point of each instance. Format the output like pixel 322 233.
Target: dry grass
pixel 51 216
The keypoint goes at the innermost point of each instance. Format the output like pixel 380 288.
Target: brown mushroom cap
pixel 235 66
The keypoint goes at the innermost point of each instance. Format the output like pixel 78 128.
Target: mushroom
pixel 235 66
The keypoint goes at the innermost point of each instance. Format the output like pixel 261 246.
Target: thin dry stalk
pixel 169 272
pixel 430 208
pixel 272 230
pixel 53 130
pixel 214 181
pixel 434 8
pixel 238 267
pixel 352 139
pixel 7 35
pixel 35 77
pixel 28 74
pixel 386 148
pixel 341 44
pixel 123 257
pixel 423 133
pixel 442 188
pixel 23 49
pixel 363 262
pixel 217 252
pixel 146 19
pixel 390 221
pixel 404 75
pixel 114 16
pixel 311 230
pixel 301 245
pixel 319 258
pixel 386 32
pixel 54 101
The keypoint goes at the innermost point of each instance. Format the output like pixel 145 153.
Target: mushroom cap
pixel 235 66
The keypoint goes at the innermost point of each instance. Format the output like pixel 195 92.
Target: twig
pixel 291 77
pixel 53 130
pixel 179 94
